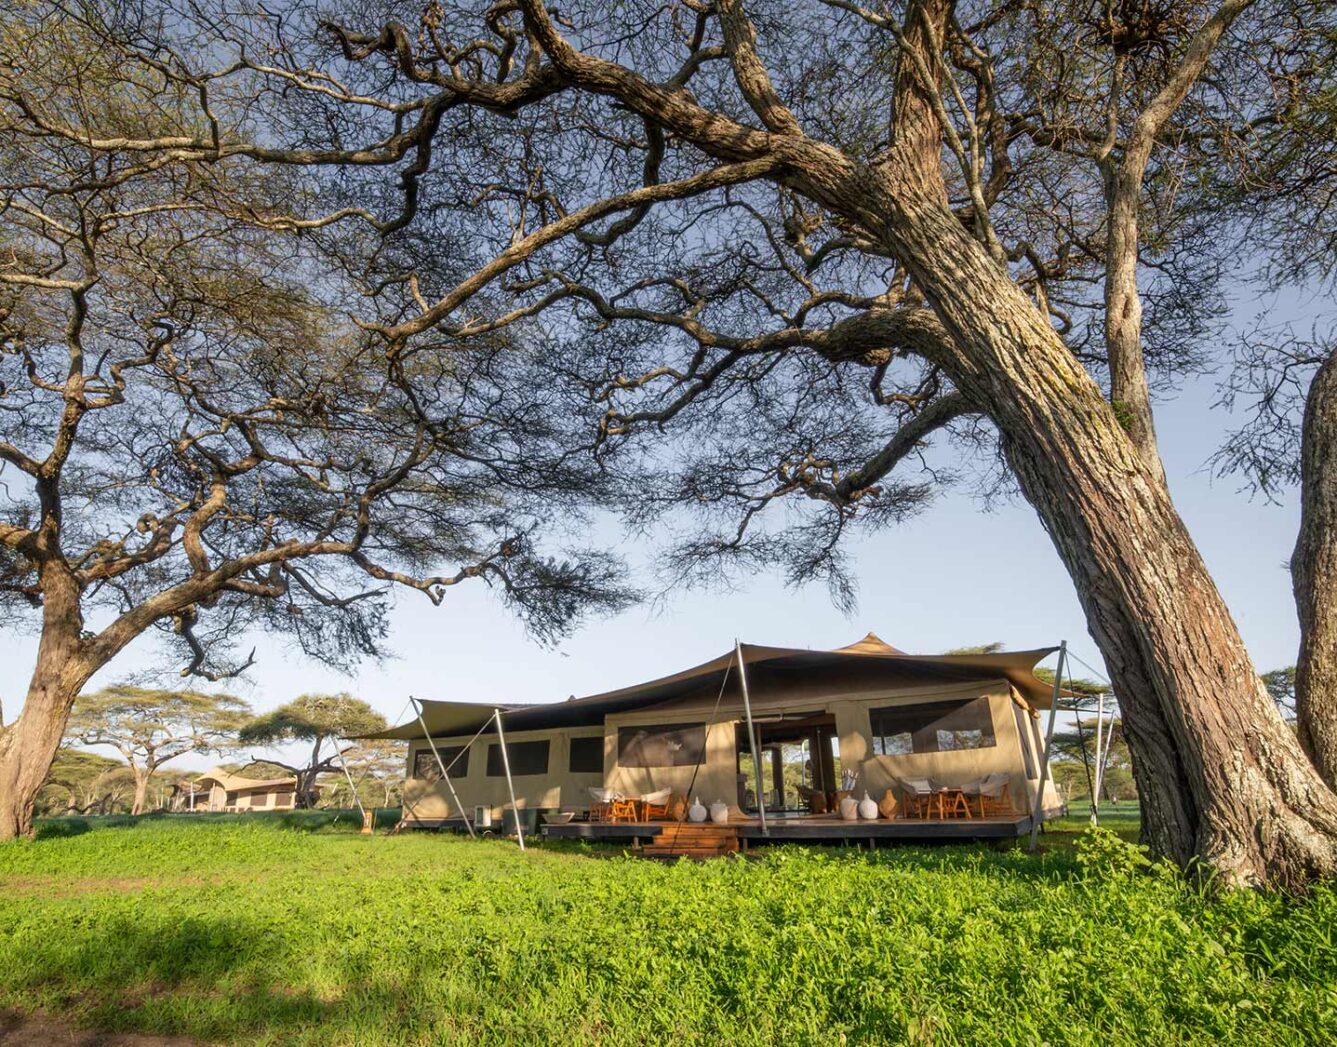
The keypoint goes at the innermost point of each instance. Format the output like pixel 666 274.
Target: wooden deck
pixel 812 828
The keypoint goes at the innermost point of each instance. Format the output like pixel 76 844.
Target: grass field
pixel 296 930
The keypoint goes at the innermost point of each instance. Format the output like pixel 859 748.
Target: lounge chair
pixel 991 795
pixel 918 794
pixel 655 804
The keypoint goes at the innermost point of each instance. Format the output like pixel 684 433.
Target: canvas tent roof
pixel 235 782
pixel 870 654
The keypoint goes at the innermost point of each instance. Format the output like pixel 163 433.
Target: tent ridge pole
pixel 445 777
pixel 752 738
pixel 1037 812
pixel 510 785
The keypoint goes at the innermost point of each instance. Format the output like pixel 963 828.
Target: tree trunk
pixel 1222 778
pixel 141 791
pixel 1314 575
pixel 28 745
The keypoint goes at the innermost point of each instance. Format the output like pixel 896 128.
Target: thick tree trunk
pixel 28 745
pixel 1221 777
pixel 1314 574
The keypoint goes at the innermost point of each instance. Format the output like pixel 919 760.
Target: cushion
pixel 677 807
pixel 887 805
pixel 921 785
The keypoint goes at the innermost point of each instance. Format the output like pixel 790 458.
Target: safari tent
pixel 865 718
pixel 220 790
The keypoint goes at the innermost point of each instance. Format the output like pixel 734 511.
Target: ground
pixel 262 930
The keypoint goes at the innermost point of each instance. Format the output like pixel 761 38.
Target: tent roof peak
pixel 870 644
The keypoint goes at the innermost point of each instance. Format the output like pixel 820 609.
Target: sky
pixel 953 576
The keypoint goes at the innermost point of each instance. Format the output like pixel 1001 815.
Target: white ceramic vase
pixel 719 812
pixel 868 808
pixel 696 812
pixel 849 809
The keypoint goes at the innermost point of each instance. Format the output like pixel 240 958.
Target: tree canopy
pixel 151 727
pixel 318 719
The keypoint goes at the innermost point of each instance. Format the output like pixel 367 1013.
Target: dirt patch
pixel 36 1030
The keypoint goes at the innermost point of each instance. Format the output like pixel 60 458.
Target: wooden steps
pixel 692 840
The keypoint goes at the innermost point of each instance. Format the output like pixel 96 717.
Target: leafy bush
pixel 1102 853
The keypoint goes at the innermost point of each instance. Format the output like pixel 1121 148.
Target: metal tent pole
pixel 445 777
pixel 351 787
pixel 752 739
pixel 1037 811
pixel 1100 730
pixel 510 785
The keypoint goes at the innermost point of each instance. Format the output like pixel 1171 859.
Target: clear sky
pixel 954 576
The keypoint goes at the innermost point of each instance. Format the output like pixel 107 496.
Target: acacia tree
pixel 790 245
pixel 84 782
pixel 317 720
pixel 150 727
pixel 195 438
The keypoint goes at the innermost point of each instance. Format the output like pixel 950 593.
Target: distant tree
pixel 85 783
pixel 149 727
pixel 377 768
pixel 320 720
pixel 1280 684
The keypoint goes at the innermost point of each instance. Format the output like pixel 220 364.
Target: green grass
pixel 263 930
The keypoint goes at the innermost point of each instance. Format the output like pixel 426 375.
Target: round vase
pixel 719 812
pixel 868 808
pixel 697 812
pixel 849 809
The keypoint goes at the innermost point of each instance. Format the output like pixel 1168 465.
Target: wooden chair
pixel 655 804
pixel 601 802
pixel 918 797
pixel 994 801
pixel 622 810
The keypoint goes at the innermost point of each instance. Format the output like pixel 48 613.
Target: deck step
pixel 692 841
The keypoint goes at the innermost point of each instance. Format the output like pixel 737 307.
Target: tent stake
pixel 510 785
pixel 1037 813
pixel 417 707
pixel 752 739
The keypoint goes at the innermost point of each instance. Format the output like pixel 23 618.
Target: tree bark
pixel 1222 779
pixel 28 745
pixel 1314 575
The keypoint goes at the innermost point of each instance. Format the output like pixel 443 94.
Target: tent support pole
pixel 343 765
pixel 1037 812
pixel 417 707
pixel 510 785
pixel 1100 731
pixel 752 739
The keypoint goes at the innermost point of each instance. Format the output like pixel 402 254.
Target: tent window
pixel 587 755
pixel 232 799
pixel 669 745
pixel 526 758
pixel 455 757
pixel 283 799
pixel 934 727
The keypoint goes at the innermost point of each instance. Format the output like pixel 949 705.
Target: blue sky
pixel 956 575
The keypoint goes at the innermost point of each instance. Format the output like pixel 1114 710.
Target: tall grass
pixel 251 931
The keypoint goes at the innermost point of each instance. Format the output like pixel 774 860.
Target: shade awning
pixel 869 658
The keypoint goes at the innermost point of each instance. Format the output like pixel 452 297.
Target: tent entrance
pixel 796 756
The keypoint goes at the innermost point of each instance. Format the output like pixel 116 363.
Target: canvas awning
pixel 869 657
